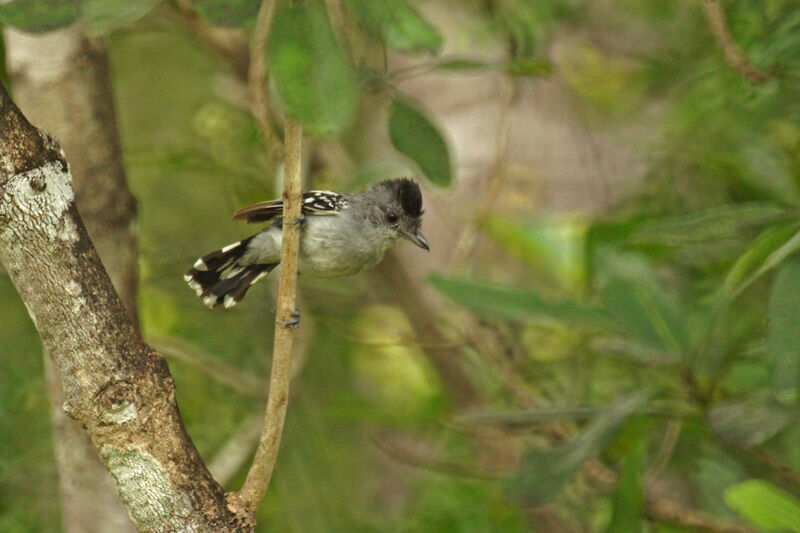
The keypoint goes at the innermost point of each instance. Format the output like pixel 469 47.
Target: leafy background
pixel 634 225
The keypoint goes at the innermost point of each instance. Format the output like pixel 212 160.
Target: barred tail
pixel 219 279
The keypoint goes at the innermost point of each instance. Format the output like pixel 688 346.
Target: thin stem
pixel 668 511
pixel 730 50
pixel 230 44
pixel 668 443
pixel 468 239
pixel 257 76
pixel 409 453
pixel 233 455
pixel 210 365
pixel 264 461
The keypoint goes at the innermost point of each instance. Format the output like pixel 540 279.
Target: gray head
pixel 398 209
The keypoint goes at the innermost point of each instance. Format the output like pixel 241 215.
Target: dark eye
pixel 391 218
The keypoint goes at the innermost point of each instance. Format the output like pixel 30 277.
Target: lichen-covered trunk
pixel 117 388
pixel 61 81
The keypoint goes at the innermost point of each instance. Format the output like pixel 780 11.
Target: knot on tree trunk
pixel 116 403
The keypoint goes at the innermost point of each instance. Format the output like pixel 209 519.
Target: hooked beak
pixel 418 239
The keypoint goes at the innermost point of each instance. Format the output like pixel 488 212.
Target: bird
pixel 341 234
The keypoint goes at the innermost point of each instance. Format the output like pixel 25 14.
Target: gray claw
pixel 294 322
pixel 300 220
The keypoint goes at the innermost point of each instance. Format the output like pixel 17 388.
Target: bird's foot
pixel 293 322
pixel 299 221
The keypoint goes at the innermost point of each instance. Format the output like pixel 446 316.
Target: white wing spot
pixel 258 278
pixel 210 300
pixel 200 265
pixel 230 247
pixel 229 301
pixel 233 273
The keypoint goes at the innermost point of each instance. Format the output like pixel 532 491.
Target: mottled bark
pixel 62 82
pixel 114 385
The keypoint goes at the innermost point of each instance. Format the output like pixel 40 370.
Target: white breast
pixel 328 250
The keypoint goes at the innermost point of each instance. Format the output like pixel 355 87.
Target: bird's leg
pixel 294 322
pixel 300 220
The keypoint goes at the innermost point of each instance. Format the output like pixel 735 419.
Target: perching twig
pixel 730 50
pixel 257 77
pixel 264 462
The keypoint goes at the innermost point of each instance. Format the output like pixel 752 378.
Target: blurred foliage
pixel 413 135
pixel 397 24
pixel 764 505
pixel 544 473
pixel 628 500
pixel 658 336
pixel 39 15
pixel 227 12
pixel 312 73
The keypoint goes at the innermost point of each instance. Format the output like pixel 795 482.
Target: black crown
pixel 408 193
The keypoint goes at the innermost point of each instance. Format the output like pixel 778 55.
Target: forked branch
pixel 114 384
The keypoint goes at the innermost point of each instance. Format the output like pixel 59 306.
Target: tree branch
pixel 730 50
pixel 114 385
pixel 264 461
pixel 61 79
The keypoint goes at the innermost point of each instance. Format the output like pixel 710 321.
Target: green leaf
pixel 313 75
pixel 414 135
pixel 533 67
pixel 766 252
pixel 628 499
pixel 642 305
pixel 750 422
pixel 544 473
pixel 38 16
pixel 632 351
pixel 764 505
pixel 397 24
pixel 227 12
pixel 707 224
pixel 530 67
pixel 460 65
pixel 517 304
pixel 101 17
pixel 602 236
pixel 783 335
pixel 522 19
pixel 554 246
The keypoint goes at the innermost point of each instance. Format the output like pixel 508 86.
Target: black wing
pixel 314 203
